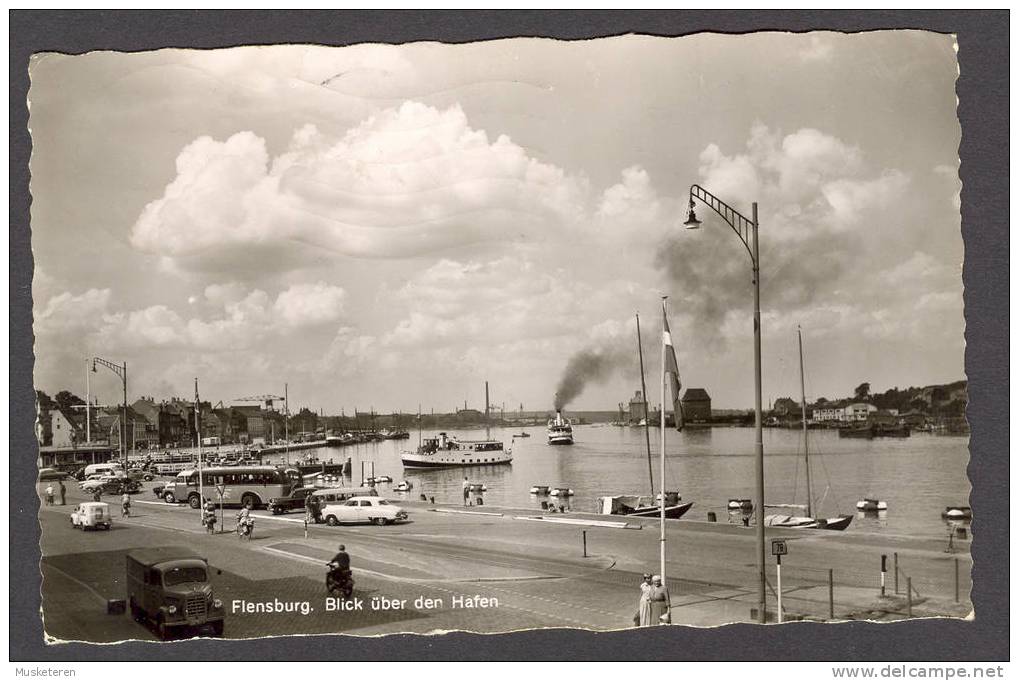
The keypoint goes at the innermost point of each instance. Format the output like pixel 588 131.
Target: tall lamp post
pixel 120 370
pixel 746 230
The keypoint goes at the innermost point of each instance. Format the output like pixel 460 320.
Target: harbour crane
pixel 267 400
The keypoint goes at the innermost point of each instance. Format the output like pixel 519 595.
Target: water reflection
pixel 918 476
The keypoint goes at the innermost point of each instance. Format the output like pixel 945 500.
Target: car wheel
pixel 331 521
pixel 194 501
pixel 379 521
pixel 168 498
pixel 217 629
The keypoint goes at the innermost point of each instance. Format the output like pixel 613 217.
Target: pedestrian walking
pixel 658 596
pixel 467 490
pixel 63 494
pixel 125 506
pixel 643 617
pixel 49 495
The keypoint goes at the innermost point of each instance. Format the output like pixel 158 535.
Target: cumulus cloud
pixel 405 181
pixel 821 211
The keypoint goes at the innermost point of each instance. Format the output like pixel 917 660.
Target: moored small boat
pixel 871 505
pixel 957 513
pixel 540 489
pixel 560 492
pixel 740 505
pixel 644 506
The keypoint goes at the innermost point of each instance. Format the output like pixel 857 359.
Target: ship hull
pixel 414 461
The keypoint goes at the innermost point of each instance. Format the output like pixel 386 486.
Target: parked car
pixel 92 514
pixel 292 502
pixel 374 510
pixel 139 474
pixel 111 485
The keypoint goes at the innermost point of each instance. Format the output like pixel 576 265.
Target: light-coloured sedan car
pixel 374 510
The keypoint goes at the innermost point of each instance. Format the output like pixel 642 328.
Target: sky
pixel 384 227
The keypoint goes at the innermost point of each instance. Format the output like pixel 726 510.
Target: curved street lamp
pixel 120 370
pixel 746 230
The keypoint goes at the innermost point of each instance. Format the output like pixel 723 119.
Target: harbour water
pixel 917 476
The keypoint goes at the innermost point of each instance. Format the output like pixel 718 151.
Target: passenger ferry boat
pixel 446 451
pixel 560 432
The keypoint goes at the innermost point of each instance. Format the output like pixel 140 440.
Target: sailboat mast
pixel 803 409
pixel 661 503
pixel 647 418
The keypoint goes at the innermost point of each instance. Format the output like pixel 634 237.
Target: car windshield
pixel 175 576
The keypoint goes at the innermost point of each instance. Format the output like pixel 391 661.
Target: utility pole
pixel 286 418
pixel 198 437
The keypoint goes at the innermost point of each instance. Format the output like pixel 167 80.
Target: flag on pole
pixel 672 370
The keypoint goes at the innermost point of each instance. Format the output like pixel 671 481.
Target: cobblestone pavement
pixel 534 574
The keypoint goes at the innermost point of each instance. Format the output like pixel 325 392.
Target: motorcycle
pixel 339 581
pixel 209 520
pixel 245 527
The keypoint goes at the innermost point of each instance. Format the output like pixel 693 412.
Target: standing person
pixel 467 490
pixel 658 595
pixel 97 494
pixel 125 506
pixel 644 604
pixel 49 494
pixel 63 494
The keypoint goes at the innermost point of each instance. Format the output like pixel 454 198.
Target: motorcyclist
pixel 244 518
pixel 209 515
pixel 340 563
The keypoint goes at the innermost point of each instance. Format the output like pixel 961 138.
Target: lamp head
pixel 691 218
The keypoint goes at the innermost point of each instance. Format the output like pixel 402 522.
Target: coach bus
pixel 250 486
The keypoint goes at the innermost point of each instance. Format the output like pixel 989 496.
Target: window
pixel 365 502
pixel 352 502
pixel 175 576
pixel 383 502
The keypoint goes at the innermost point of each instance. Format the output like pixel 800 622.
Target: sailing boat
pixel 807 521
pixel 645 506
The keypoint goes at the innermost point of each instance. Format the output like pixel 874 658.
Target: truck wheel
pixel 331 521
pixel 168 498
pixel 162 630
pixel 217 629
pixel 379 521
pixel 194 501
pixel 136 613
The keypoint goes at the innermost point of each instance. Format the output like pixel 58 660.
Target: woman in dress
pixel 644 605
pixel 658 596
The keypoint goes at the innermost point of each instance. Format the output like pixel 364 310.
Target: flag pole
pixel 198 437
pixel 661 504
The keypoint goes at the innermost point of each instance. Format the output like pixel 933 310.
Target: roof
pixel 154 555
pixel 696 394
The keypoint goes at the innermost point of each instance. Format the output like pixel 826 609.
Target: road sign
pixel 778 547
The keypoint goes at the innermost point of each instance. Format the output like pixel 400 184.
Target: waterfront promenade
pixel 482 569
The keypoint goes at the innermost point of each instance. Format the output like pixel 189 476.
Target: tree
pixel 65 400
pixel 862 391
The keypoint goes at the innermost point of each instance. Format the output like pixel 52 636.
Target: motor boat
pixel 644 506
pixel 446 451
pixel 540 489
pixel 871 505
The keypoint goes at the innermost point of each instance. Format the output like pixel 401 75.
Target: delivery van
pixel 171 587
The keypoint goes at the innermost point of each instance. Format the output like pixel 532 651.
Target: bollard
pixel 895 564
pixel 831 594
pixel 956 580
pixel 909 596
pixel 778 584
pixel 584 533
pixel 884 569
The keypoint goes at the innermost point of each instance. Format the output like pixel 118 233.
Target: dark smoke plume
pixel 593 365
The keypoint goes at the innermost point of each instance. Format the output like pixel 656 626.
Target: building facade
pixel 696 406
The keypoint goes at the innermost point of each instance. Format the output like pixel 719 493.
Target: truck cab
pixel 171 587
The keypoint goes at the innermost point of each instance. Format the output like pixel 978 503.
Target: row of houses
pixel 830 412
pixel 152 424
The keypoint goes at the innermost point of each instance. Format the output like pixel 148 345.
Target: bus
pixel 250 486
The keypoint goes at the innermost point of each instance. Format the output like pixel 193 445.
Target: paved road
pixel 520 573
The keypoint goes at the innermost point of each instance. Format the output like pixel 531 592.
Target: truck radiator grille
pixel 195 606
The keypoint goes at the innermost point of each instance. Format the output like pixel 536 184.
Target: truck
pixel 170 586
